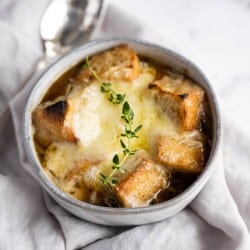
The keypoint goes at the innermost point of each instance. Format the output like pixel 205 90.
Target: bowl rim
pixel 51 187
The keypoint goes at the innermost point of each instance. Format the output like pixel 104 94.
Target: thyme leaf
pixel 129 133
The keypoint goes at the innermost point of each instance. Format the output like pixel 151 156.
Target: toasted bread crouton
pixel 179 100
pixel 52 123
pixel 141 184
pixel 180 153
pixel 69 120
pixel 119 63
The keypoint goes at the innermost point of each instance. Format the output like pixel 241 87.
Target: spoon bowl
pixel 67 24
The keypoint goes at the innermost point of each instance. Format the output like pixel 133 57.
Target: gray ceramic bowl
pixel 121 216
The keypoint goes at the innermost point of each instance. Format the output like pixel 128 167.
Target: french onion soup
pixel 121 130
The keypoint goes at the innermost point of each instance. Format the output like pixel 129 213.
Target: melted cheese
pixel 86 122
pixel 97 123
pixel 98 126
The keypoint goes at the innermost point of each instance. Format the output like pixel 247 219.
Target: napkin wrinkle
pixel 24 217
pixel 167 234
pixel 23 52
pixel 238 182
pixel 77 232
pixel 221 213
pixel 17 106
pixel 50 210
pixel 24 17
pixel 9 153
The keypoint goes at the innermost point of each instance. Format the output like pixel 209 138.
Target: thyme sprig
pixel 115 98
pixel 129 133
pixel 106 87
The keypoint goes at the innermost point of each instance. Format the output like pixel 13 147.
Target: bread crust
pixel 51 123
pixel 139 187
pixel 119 63
pixel 179 102
pixel 180 153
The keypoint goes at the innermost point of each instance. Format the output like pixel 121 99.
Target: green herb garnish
pixel 106 87
pixel 129 133
pixel 113 96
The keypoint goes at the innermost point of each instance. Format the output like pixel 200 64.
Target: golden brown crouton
pixel 52 123
pixel 65 120
pixel 140 185
pixel 179 100
pixel 180 153
pixel 120 63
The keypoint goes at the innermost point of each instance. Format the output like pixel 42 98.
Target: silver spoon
pixel 65 25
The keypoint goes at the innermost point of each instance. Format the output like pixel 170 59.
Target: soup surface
pixel 121 130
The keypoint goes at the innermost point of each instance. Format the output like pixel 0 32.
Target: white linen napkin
pixel 219 218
